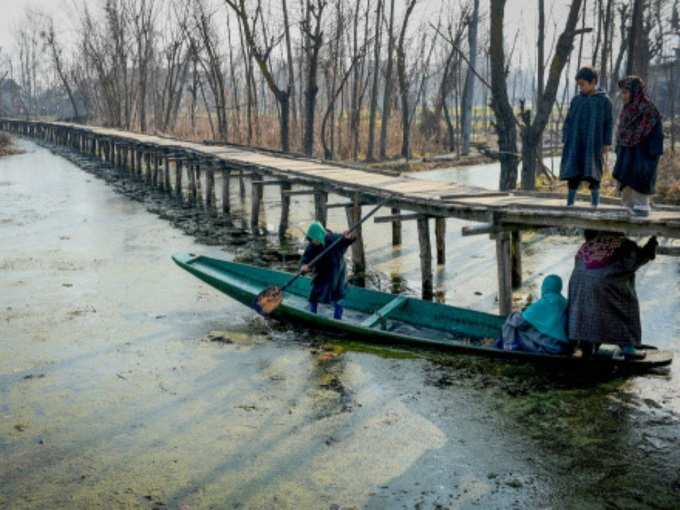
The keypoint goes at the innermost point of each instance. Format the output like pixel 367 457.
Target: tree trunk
pixel 373 108
pixel 636 65
pixel 387 94
pixel 469 87
pixel 506 127
pixel 532 130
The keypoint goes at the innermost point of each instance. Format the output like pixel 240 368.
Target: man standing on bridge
pixel 587 137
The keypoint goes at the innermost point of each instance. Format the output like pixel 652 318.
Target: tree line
pixel 366 80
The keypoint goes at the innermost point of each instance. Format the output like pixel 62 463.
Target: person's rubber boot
pixel 571 197
pixel 587 349
pixel 337 312
pixel 630 352
pixel 595 197
pixel 314 307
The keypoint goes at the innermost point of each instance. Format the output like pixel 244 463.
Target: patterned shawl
pixel 600 252
pixel 639 116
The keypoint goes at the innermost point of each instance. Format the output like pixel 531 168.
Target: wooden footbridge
pixel 188 170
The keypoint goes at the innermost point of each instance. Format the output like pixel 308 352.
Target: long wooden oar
pixel 271 298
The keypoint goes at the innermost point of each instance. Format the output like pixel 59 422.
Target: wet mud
pixel 126 383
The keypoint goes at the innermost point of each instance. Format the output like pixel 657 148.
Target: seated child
pixel 541 327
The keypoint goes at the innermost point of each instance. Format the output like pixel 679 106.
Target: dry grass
pixel 668 182
pixel 425 143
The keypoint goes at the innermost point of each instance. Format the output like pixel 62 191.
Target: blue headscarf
pixel 548 314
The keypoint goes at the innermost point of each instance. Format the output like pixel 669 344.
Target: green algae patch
pixel 384 352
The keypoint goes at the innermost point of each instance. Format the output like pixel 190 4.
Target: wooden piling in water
pixel 396 228
pixel 425 257
pixel 242 185
pixel 179 163
pixel 285 209
pixel 199 185
pixel 320 209
pixel 210 187
pixel 156 180
pixel 504 262
pixel 193 194
pixel 440 239
pixel 516 259
pixel 226 190
pixel 166 171
pixel 256 193
pixel 357 248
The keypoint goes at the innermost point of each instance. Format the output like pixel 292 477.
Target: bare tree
pixel 404 83
pixel 505 123
pixel 373 105
pixel 389 83
pixel 55 51
pixel 532 129
pixel 469 87
pixel 262 57
pixel 311 27
pixel 142 15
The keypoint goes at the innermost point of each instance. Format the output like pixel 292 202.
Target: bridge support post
pixel 320 209
pixel 285 209
pixel 226 190
pixel 147 168
pixel 157 182
pixel 192 182
pixel 210 188
pixel 256 192
pixel 516 248
pixel 199 185
pixel 440 237
pixel 242 185
pixel 166 168
pixel 425 256
pixel 178 178
pixel 358 254
pixel 504 261
pixel 396 228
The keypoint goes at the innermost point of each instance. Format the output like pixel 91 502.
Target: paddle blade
pixel 268 300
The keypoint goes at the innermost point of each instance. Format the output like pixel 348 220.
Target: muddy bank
pixel 126 383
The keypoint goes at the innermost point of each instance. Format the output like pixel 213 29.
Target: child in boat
pixel 329 272
pixel 587 137
pixel 541 327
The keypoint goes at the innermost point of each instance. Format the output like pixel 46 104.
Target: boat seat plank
pixel 383 312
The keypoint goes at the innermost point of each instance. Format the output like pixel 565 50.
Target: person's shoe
pixel 337 312
pixel 629 352
pixel 571 198
pixel 642 212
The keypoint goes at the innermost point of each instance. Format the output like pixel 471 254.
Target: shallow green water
pixel 112 394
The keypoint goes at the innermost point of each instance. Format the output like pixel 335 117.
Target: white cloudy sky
pixel 520 16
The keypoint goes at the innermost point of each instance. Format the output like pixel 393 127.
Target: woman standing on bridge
pixel 639 146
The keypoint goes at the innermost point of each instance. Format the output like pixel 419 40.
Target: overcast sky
pixel 520 17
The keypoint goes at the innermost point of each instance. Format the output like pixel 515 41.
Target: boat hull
pixel 404 321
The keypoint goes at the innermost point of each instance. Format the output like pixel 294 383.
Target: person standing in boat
pixel 541 327
pixel 587 137
pixel 603 304
pixel 639 146
pixel 329 272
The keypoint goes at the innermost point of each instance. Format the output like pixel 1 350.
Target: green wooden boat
pixel 389 319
